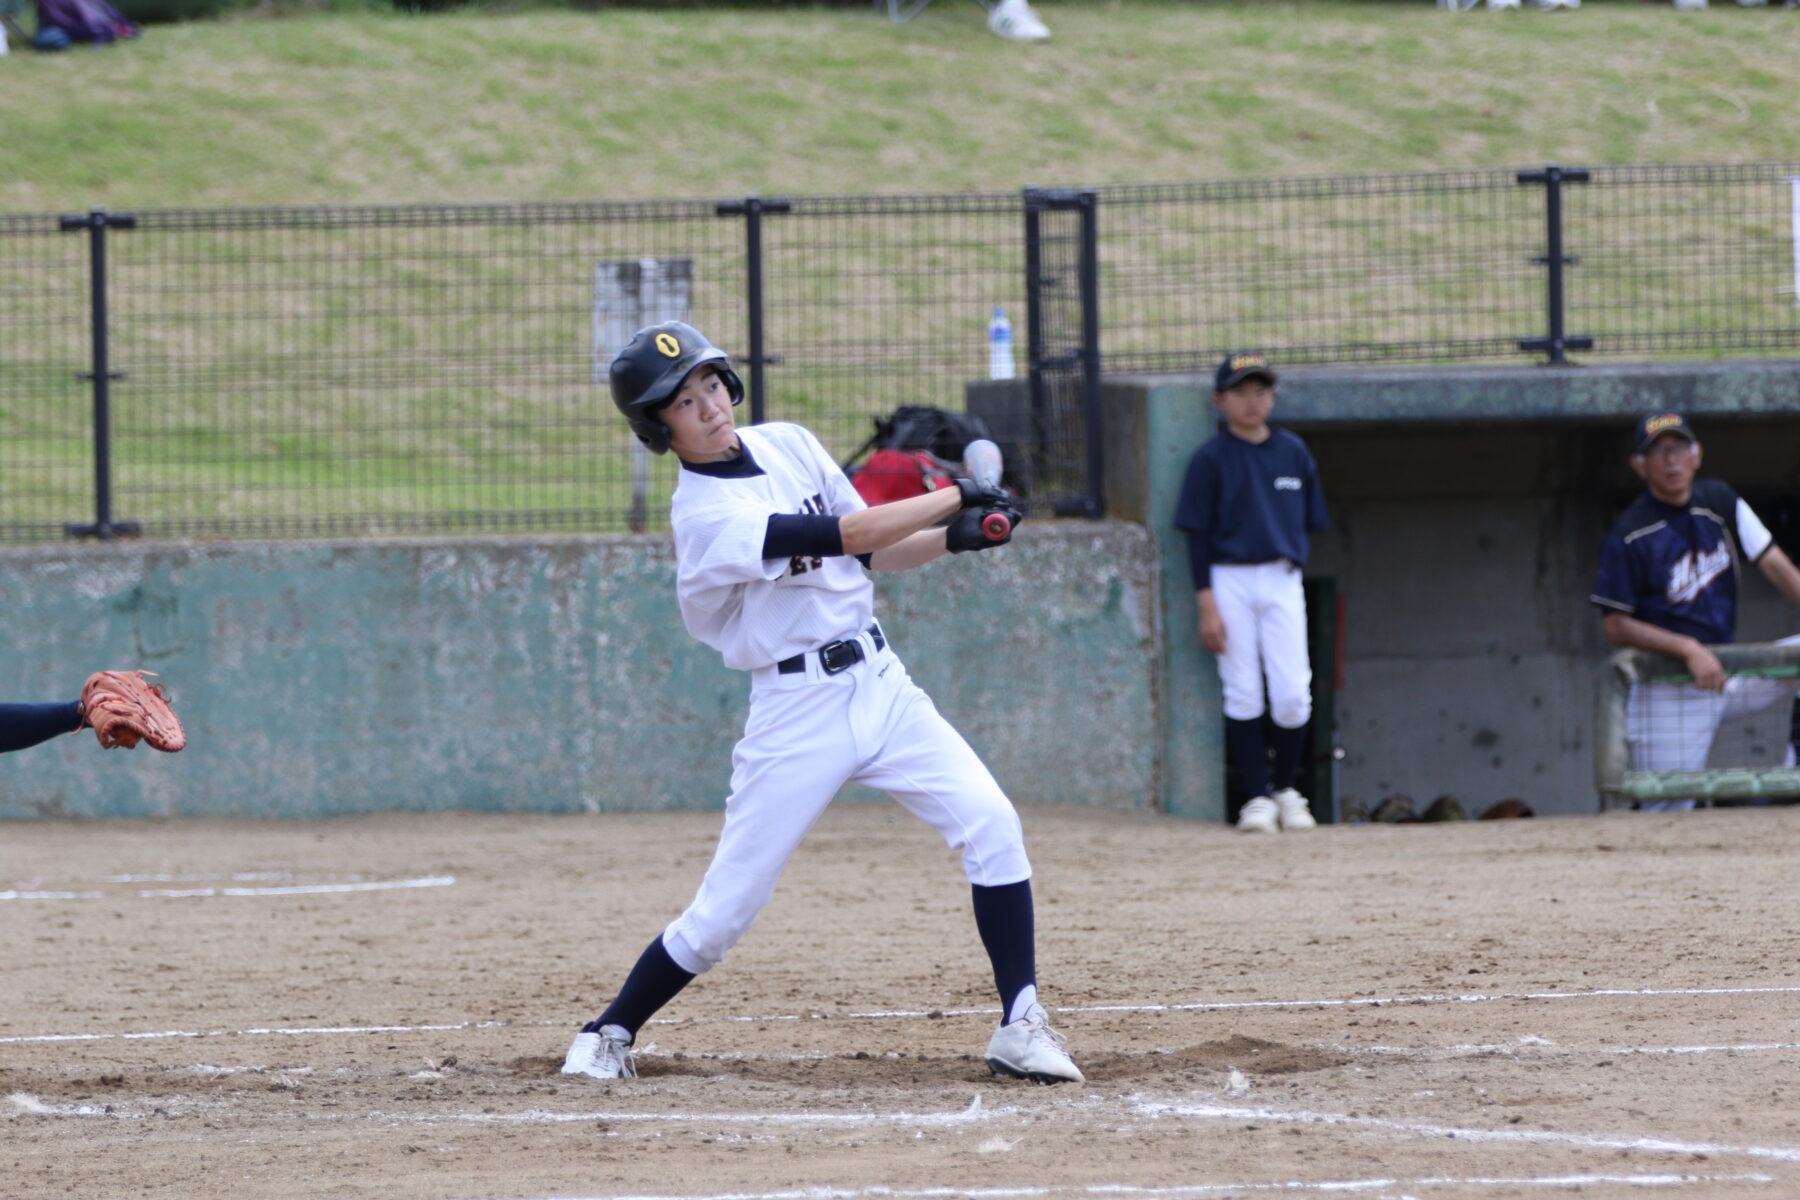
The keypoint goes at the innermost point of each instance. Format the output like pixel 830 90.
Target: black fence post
pixel 96 222
pixel 1089 208
pixel 1558 342
pixel 1057 344
pixel 1035 358
pixel 751 208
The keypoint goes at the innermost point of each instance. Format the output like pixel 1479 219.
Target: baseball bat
pixel 981 458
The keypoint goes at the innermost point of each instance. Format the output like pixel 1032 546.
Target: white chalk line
pixel 301 889
pixel 1199 1189
pixel 308 1031
pixel 235 877
pixel 1526 1044
pixel 976 1112
pixel 913 1014
pixel 1219 1112
pixel 1230 1005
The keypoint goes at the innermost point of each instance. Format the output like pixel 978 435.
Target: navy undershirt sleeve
pixel 809 534
pixel 1200 559
pixel 23 725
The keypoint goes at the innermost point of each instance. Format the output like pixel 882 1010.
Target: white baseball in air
pixel 981 459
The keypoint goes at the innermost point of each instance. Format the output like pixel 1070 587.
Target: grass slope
pixel 341 108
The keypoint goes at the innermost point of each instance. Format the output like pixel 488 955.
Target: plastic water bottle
pixel 1000 347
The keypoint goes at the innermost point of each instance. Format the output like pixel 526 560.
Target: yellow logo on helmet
pixel 1240 361
pixel 1658 424
pixel 668 345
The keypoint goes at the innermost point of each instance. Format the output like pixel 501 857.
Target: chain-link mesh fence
pixel 405 370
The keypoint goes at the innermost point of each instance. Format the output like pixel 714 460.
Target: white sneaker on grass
pixel 1014 20
pixel 1259 816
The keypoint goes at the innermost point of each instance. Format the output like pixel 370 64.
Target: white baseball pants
pixel 1671 726
pixel 1264 610
pixel 807 736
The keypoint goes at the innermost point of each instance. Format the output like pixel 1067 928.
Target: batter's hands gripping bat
pixel 981 459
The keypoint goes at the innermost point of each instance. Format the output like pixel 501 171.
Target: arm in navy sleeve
pixel 1614 588
pixel 1199 560
pixel 1316 516
pixel 807 534
pixel 23 725
pixel 1195 512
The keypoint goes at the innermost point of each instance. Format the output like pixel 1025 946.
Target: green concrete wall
pixel 1152 432
pixel 537 675
pixel 1610 393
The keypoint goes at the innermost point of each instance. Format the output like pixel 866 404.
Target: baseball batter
pixel 1668 581
pixel 771 542
pixel 1250 498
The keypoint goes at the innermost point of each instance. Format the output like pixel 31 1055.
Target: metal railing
pixel 1615 780
pixel 423 369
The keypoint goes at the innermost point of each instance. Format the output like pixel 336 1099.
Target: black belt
pixel 838 656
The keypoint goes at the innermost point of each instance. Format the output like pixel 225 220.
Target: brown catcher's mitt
pixel 124 708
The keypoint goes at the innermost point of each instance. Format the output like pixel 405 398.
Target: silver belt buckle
pixel 839 656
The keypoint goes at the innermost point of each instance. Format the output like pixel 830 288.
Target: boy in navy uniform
pixel 1668 582
pixel 1250 499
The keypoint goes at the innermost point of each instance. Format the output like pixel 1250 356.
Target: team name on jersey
pixel 1287 483
pixel 1689 574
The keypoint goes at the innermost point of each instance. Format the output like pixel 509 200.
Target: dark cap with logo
pixel 1240 365
pixel 1655 425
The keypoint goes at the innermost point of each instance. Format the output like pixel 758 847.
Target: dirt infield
pixel 376 1007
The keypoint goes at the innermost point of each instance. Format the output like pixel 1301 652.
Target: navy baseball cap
pixel 1240 365
pixel 1655 425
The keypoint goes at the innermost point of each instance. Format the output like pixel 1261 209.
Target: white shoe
pixel 1258 816
pixel 1030 1049
pixel 1293 810
pixel 1690 5
pixel 1014 20
pixel 603 1055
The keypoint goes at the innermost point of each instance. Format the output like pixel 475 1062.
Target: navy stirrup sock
pixel 1004 918
pixel 653 982
pixel 1289 744
pixel 1250 752
pixel 23 725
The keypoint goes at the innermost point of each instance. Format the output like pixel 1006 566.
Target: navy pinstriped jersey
pixel 1676 566
pixel 1249 502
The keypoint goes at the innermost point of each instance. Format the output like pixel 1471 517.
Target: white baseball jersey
pixel 754 610
pixel 810 730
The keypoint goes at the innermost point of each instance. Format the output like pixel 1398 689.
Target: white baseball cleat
pixel 1259 816
pixel 1293 810
pixel 1014 20
pixel 603 1055
pixel 1029 1049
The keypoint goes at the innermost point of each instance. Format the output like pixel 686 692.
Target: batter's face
pixel 1667 468
pixel 1246 406
pixel 699 419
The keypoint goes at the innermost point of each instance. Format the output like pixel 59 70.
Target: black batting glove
pixel 975 496
pixel 972 493
pixel 965 532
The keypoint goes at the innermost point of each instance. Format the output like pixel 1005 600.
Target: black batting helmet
pixel 650 370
